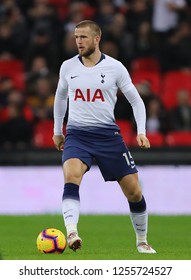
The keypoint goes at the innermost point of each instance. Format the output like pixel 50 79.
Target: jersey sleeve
pixel 60 103
pixel 126 86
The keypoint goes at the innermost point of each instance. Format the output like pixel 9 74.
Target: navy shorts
pixel 105 146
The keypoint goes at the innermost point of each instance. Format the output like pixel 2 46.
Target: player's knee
pixel 72 176
pixel 131 189
pixel 73 171
pixel 135 195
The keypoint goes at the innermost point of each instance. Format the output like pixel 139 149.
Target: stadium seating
pixel 172 82
pixel 58 2
pixel 145 63
pixel 154 77
pixel 126 131
pixel 14 69
pixel 156 139
pixel 43 132
pixel 61 7
pixel 179 138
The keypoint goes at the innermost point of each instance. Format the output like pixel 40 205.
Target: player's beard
pixel 89 52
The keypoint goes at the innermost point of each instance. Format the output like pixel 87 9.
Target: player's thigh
pixel 74 170
pixel 131 187
pixel 115 161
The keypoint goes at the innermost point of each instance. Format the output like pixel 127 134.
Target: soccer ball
pixel 51 240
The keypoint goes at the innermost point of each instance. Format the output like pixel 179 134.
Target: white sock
pixel 140 225
pixel 71 211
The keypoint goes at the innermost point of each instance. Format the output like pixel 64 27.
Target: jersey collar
pixel 101 58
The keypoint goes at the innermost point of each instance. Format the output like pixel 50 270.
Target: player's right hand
pixel 59 142
pixel 143 141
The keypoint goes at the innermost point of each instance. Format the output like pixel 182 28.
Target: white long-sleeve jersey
pixel 92 94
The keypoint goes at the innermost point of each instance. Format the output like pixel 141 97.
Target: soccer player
pixel 89 82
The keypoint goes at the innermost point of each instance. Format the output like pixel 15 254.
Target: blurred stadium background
pixel 35 38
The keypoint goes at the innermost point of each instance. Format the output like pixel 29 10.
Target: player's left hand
pixel 143 141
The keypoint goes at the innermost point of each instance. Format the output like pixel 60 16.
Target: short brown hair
pixel 92 24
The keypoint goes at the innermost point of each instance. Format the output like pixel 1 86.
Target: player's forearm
pixel 58 120
pixel 140 117
pixel 138 107
pixel 60 107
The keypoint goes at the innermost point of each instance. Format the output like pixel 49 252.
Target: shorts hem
pixel 107 179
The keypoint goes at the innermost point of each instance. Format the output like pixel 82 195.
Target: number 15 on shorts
pixel 129 159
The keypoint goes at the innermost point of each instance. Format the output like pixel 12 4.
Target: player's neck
pixel 92 60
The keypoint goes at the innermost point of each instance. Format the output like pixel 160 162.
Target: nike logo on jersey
pixel 73 77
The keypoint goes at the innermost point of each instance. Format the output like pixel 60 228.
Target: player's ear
pixel 97 38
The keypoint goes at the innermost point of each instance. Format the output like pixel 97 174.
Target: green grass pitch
pixel 104 238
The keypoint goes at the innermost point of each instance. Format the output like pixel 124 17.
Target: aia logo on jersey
pixel 88 95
